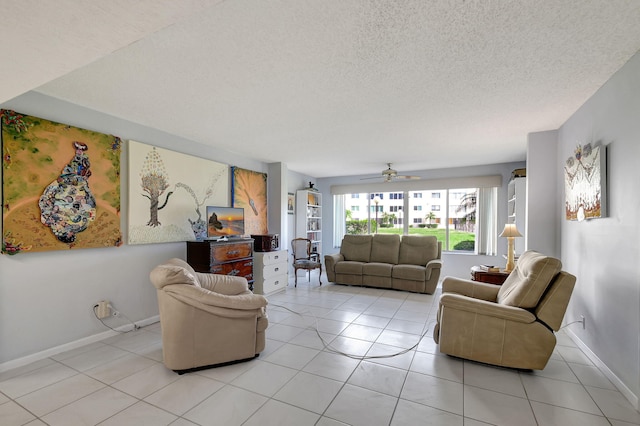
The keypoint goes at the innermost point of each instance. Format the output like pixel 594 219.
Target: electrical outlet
pixel 583 322
pixel 103 309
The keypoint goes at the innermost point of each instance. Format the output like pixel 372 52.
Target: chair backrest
pixel 419 249
pixel 356 247
pixel 554 302
pixel 529 280
pixel 385 248
pixel 300 248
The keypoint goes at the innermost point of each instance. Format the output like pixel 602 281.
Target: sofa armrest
pixel 433 266
pixel 474 289
pixel 198 296
pixel 223 284
pixel 486 308
pixel 330 261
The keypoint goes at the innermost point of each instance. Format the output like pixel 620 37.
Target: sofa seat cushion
pixel 409 272
pixel 377 269
pixel 349 267
pixel 526 284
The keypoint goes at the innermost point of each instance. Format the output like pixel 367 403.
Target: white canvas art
pixel 169 193
pixel 585 183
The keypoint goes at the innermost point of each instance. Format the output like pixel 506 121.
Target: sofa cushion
pixel 349 267
pixel 527 283
pixel 409 272
pixel 356 247
pixel 418 249
pixel 385 248
pixel 377 269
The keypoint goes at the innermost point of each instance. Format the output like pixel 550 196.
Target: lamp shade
pixel 510 230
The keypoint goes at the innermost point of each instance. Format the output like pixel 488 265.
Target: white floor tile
pixel 497 379
pixel 559 393
pixel 310 392
pixel 497 408
pixel 14 415
pixel 147 381
pixel 52 397
pixel 614 405
pixel 362 332
pixel 379 378
pixel 361 407
pixel 183 394
pixel 411 413
pixel 91 409
pixel 434 392
pixel 390 355
pixel 292 356
pixel 550 415
pixel 589 375
pixel 332 366
pixel 276 413
pixel 36 379
pixel 441 366
pixel 555 369
pixel 120 368
pixel 398 338
pixel 264 378
pixel 138 414
pixel 372 321
pixel 229 406
pixel 349 346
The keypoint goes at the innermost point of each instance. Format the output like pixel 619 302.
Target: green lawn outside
pixel 454 236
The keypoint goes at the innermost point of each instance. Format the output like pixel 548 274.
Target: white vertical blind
pixel 339 219
pixel 487 232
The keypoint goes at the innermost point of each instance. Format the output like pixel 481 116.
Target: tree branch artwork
pixel 154 181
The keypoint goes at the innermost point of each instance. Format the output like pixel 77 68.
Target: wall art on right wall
pixel 585 183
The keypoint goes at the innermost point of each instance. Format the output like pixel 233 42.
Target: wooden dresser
pixel 222 257
pixel 271 271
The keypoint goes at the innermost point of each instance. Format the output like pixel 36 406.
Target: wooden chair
pixel 304 259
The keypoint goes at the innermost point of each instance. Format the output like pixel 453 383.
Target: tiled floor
pixel 121 381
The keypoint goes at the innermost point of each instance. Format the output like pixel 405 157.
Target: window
pixel 355 195
pixel 463 219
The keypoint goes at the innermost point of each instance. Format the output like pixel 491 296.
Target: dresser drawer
pixel 271 285
pixel 269 271
pixel 241 268
pixel 227 252
pixel 271 257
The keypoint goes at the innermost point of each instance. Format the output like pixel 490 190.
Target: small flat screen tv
pixel 224 222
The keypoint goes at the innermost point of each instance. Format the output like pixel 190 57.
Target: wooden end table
pixel 478 274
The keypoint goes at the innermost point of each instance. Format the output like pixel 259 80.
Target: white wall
pixel 604 253
pixel 454 264
pixel 46 298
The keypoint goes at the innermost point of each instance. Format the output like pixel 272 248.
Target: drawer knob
pixel 233 252
pixel 276 269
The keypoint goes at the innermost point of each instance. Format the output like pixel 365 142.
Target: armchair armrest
pixel 486 308
pixel 474 289
pixel 223 284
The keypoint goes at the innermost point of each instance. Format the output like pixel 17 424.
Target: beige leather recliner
pixel 207 319
pixel 510 325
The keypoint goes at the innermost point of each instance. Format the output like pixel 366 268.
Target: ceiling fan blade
pixel 407 177
pixel 374 177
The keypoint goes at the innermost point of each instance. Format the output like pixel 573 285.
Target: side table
pixel 479 274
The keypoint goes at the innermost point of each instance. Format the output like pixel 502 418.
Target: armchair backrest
pixel 356 247
pixel 529 280
pixel 419 249
pixel 385 248
pixel 300 248
pixel 554 302
pixel 174 271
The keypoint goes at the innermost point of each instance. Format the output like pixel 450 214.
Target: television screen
pixel 225 222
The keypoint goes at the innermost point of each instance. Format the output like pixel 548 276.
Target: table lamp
pixel 510 232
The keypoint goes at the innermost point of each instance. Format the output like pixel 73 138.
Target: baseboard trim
pixel 619 384
pixel 20 362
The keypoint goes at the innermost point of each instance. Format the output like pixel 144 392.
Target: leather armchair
pixel 207 319
pixel 511 325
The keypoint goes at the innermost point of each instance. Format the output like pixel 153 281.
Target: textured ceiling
pixel 341 87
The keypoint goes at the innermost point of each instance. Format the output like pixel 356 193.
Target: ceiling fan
pixel 390 175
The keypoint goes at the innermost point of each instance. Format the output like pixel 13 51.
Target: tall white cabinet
pixel 516 209
pixel 309 218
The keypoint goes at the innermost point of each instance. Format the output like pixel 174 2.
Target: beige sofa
pixel 207 319
pixel 510 325
pixel 410 263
